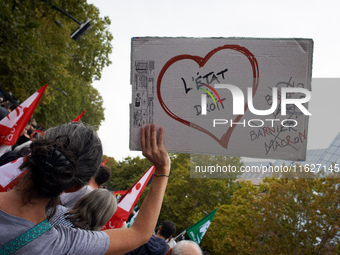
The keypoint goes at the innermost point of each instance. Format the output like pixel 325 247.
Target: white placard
pixel 223 96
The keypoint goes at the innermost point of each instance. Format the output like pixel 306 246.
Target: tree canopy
pixel 36 48
pixel 281 216
pixel 188 199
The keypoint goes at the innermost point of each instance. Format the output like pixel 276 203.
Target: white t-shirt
pixel 58 240
pixel 71 198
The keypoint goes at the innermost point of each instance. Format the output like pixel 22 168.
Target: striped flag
pixel 14 123
pixel 128 201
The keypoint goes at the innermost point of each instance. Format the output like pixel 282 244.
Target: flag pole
pixel 181 234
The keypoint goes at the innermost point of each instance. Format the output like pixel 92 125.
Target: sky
pixel 318 20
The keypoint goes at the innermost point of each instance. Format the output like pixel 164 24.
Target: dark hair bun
pixel 86 148
pixel 51 166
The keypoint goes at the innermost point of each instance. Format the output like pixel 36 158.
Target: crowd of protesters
pixel 61 198
pixel 5 108
pixel 7 103
pixel 31 132
pixel 64 160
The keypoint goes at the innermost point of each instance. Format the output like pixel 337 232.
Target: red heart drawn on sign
pixel 224 140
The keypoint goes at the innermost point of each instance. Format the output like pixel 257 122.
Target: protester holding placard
pixel 65 158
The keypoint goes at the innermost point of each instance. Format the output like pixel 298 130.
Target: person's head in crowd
pixel 157 244
pixel 93 210
pixel 7 104
pixel 34 123
pixel 70 197
pixel 66 157
pixel 103 175
pixel 3 112
pixel 27 130
pixel 166 230
pixel 186 247
pixel 86 146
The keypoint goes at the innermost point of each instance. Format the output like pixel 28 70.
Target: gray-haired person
pixel 186 247
pixel 91 212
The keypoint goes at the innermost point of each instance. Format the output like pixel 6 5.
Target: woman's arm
pixel 124 240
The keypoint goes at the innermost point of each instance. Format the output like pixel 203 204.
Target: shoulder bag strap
pixel 25 238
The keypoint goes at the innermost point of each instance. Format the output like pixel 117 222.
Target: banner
pixel 14 123
pixel 128 201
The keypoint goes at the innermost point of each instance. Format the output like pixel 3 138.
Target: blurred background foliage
pixel 36 48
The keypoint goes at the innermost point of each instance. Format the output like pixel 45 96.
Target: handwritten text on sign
pixel 248 97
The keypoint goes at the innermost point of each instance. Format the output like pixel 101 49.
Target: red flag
pixel 104 162
pixel 77 119
pixel 9 174
pixel 14 123
pixel 128 201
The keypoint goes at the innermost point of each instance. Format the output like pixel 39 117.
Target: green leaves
pixel 35 51
pixel 186 198
pixel 291 216
pixel 281 216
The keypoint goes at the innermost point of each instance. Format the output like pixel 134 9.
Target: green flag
pixel 197 231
